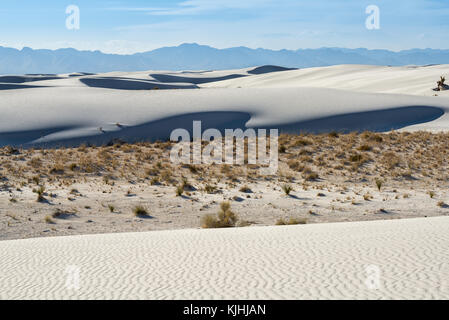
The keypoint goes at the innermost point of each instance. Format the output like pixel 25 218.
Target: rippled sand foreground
pixel 399 259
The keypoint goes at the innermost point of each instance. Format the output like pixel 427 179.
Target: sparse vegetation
pixel 346 167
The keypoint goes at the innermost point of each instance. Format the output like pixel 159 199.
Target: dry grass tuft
pixel 225 218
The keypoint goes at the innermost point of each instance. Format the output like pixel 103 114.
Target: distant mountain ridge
pixel 200 57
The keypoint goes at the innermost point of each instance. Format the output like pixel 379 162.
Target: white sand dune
pixel 323 261
pixel 414 80
pixel 79 108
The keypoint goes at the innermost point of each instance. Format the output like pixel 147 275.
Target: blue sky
pixel 140 25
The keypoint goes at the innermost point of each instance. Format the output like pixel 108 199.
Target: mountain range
pixel 192 56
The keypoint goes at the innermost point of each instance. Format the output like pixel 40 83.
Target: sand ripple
pixel 325 261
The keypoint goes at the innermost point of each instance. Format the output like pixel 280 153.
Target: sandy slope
pixel 326 261
pixel 414 80
pixel 71 109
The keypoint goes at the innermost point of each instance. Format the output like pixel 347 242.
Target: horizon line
pixel 225 48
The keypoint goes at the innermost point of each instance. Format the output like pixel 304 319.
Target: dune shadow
pixel 8 86
pixel 26 136
pixel 161 129
pixel 377 121
pixel 269 69
pixel 130 84
pixel 151 131
pixel 166 78
pixel 81 74
pixel 27 78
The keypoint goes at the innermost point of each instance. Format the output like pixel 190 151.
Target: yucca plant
pixel 441 83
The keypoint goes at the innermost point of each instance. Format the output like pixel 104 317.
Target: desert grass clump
pixel 225 218
pixel 295 165
pixel 379 184
pixel 40 193
pixel 355 157
pixel 291 221
pixel 210 189
pixel 48 219
pixel 367 197
pixel 442 204
pixel 309 174
pixel 179 190
pixel 155 181
pixel 57 169
pixel 365 147
pixel 391 160
pixel 111 208
pixel 245 189
pixel 287 189
pixel 140 211
pixel 431 194
pixel 36 179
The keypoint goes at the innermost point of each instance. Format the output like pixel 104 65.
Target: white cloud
pixel 193 7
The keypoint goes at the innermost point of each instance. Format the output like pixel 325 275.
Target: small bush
pixel 310 175
pixel 367 197
pixel 287 189
pixel 111 208
pixel 210 189
pixel 355 158
pixel 179 190
pixel 365 147
pixel 245 189
pixel 140 211
pixel 49 220
pixel 224 219
pixel 379 184
pixel 40 194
